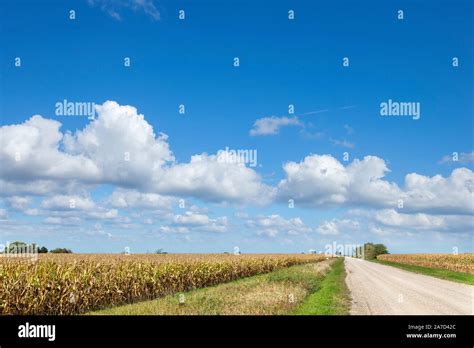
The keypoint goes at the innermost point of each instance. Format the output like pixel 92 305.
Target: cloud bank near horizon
pixel 50 174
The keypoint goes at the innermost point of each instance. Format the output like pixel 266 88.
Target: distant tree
pixel 42 250
pixel 61 251
pixel 380 249
pixel 371 250
pixel 160 251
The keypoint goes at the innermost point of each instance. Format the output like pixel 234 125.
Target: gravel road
pixel 381 289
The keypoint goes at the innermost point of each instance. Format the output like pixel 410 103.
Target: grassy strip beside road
pixel 459 277
pixel 279 292
pixel 332 297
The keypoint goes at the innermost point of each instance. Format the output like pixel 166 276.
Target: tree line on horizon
pixel 368 251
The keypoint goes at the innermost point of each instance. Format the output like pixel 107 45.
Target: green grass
pixel 459 277
pixel 278 292
pixel 332 296
pixel 305 277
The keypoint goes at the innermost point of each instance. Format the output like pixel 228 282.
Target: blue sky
pixel 282 62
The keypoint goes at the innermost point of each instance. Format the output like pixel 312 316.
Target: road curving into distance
pixel 381 289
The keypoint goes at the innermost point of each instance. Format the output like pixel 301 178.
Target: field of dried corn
pixel 456 263
pixel 76 283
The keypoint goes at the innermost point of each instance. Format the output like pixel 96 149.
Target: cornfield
pixel 74 284
pixel 457 263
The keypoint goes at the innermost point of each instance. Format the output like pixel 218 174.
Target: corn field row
pixel 74 284
pixel 457 263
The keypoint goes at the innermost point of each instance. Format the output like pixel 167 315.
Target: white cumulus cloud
pixel 273 225
pixel 191 221
pixel 118 148
pixel 208 178
pixel 440 195
pixel 336 226
pixel 271 125
pixel 30 151
pixel 122 145
pixel 322 181
pixel 65 202
pixel 114 8
pixel 124 199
